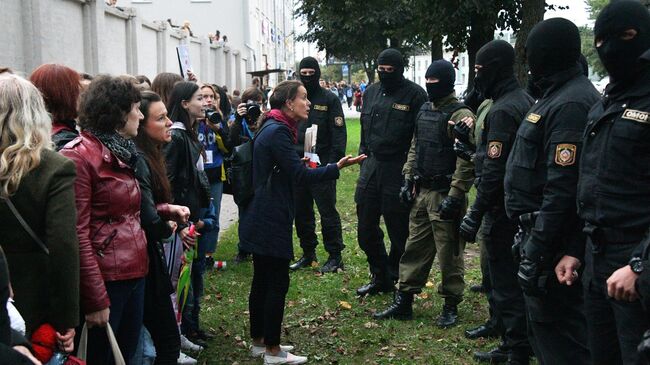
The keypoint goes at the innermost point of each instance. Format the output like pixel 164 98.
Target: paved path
pixel 229 212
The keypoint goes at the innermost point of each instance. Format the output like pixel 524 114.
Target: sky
pixel 577 12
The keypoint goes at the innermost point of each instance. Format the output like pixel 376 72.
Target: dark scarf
pixel 121 147
pixel 281 117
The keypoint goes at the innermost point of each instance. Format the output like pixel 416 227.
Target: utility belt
pixel 436 183
pixel 602 236
pixel 388 157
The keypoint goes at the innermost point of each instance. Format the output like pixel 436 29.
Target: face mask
pixel 390 80
pixel 436 91
pixel 310 82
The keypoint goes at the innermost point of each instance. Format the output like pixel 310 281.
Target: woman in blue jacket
pixel 266 224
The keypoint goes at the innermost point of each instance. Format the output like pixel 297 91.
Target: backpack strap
pixel 26 226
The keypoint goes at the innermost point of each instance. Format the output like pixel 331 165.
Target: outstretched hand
pixel 349 160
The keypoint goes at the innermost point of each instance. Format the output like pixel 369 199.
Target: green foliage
pixel 317 322
pixel 589 51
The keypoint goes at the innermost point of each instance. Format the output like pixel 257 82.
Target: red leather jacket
pixel 112 244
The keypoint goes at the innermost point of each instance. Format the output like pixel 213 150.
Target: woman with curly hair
pixel 60 86
pixel 112 243
pixel 36 184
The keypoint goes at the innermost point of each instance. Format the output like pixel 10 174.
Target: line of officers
pixel 562 178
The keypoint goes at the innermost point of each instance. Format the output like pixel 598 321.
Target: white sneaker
pixel 257 351
pixel 284 357
pixel 185 360
pixel 188 345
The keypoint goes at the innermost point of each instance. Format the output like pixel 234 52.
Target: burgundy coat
pixel 112 244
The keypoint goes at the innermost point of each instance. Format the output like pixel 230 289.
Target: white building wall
pixel 91 37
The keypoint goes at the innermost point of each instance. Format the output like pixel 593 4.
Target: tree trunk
pixel 482 31
pixel 532 12
pixel 369 68
pixel 436 47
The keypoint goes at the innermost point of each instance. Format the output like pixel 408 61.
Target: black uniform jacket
pixel 614 185
pixel 509 108
pixel 542 169
pixel 388 120
pixel 327 113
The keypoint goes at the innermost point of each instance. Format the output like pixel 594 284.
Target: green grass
pixel 315 320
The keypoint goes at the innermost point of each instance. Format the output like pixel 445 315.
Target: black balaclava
pixel 582 60
pixel 620 57
pixel 497 59
pixel 553 45
pixel 444 71
pixel 310 82
pixel 391 80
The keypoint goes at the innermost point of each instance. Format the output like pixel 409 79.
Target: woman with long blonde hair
pixel 37 213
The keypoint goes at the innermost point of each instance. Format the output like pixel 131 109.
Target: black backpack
pixel 240 172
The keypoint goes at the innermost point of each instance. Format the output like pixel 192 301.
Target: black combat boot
pixel 375 286
pixel 305 261
pixel 449 316
pixel 483 331
pixel 333 264
pixel 401 308
pixel 498 355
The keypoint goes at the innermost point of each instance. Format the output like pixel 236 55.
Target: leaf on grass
pixel 370 325
pixel 429 284
pixel 314 264
pixel 341 350
pixel 345 305
pixel 423 296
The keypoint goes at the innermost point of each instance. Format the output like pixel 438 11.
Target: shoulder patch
pixel 322 108
pixel 494 149
pixel 565 154
pixel 402 107
pixel 636 115
pixel 338 121
pixel 533 118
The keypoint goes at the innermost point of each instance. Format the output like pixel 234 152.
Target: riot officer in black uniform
pixel 387 122
pixel 614 185
pixel 540 191
pixel 327 114
pixel 495 80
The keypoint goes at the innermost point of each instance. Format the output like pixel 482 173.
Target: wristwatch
pixel 637 265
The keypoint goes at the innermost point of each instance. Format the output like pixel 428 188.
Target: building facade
pixel 262 31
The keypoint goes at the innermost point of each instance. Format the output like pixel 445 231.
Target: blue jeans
pixel 127 307
pixel 211 238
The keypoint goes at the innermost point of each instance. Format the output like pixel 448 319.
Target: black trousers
pixel 267 296
pixel 324 195
pixel 615 327
pixel 507 295
pixel 160 320
pixel 377 195
pixel 494 321
pixel 557 328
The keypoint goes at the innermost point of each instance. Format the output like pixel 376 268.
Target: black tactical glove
pixel 464 150
pixel 450 207
pixel 406 195
pixel 534 270
pixel 470 224
pixel 461 132
pixel 516 246
pixel 644 348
